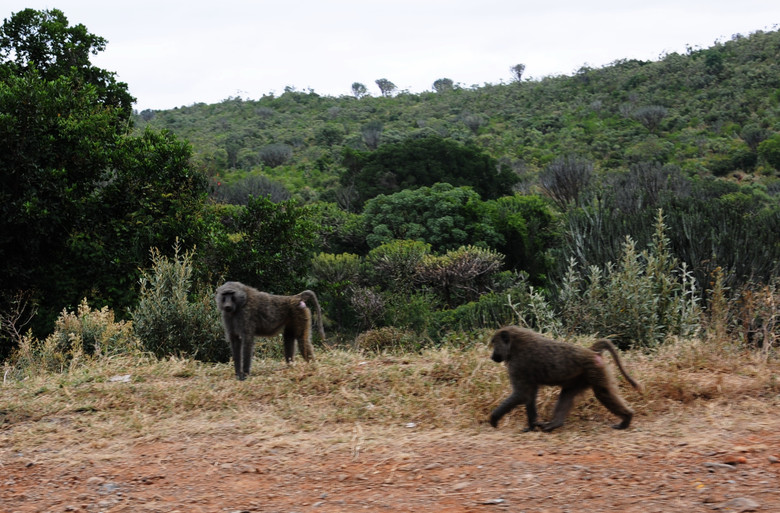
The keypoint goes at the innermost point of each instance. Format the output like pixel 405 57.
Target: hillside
pixel 705 111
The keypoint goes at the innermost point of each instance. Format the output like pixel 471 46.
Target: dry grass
pixel 347 391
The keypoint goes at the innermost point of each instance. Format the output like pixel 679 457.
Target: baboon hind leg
pixel 304 344
pixel 563 407
pixel 608 397
pixel 289 344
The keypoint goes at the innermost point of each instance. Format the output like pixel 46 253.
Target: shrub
pixel 275 155
pixel 388 339
pixel 459 275
pixel 168 321
pixel 77 336
pixel 643 299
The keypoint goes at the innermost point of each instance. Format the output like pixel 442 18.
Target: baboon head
pixel 502 344
pixel 230 298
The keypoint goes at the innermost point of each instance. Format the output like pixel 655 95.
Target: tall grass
pixel 451 387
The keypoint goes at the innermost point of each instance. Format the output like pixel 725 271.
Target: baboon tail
pixel 602 344
pixel 310 296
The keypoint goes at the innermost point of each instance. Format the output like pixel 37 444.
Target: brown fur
pixel 532 359
pixel 248 312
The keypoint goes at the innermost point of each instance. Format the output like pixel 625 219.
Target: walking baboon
pixel 532 359
pixel 247 312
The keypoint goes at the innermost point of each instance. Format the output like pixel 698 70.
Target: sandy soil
pixel 694 458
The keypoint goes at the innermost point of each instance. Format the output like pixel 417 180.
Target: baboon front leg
pixel 247 351
pixel 562 407
pixel 518 397
pixel 235 349
pixel 614 403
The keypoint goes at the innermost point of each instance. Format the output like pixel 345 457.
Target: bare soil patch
pixel 701 456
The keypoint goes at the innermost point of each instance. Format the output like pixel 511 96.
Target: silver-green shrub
pixel 170 319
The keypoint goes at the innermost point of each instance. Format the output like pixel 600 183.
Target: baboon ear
pixel 240 297
pixel 506 341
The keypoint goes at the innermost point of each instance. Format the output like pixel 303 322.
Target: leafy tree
pixel 80 202
pixel 424 162
pixel 444 216
pixel 385 86
pixel 42 42
pixel 517 71
pixel 530 233
pixel 264 244
pixel 769 150
pixel 443 85
pixel 359 90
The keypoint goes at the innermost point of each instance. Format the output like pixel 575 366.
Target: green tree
pixel 444 216
pixel 385 86
pixel 769 150
pixel 264 244
pixel 530 233
pixel 80 202
pixel 359 90
pixel 42 42
pixel 423 162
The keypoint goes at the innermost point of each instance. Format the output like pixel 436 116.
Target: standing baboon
pixel 532 360
pixel 247 312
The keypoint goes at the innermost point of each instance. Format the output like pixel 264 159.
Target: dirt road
pixel 697 458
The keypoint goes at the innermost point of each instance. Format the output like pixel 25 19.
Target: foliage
pixel 565 179
pixel 769 150
pixel 78 337
pixel 264 244
pixel 388 340
pixel 712 223
pixel 529 233
pixel 336 277
pixel 460 275
pixel 422 162
pixel 81 201
pixel 643 299
pixel 42 43
pixel 239 192
pixel 394 264
pixel 173 320
pixel 442 215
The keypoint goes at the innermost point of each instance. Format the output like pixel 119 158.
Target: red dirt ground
pixel 698 458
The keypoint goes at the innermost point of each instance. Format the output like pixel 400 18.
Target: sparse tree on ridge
pixel 517 71
pixel 443 84
pixel 386 87
pixel 359 90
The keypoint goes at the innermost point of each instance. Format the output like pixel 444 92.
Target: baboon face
pixel 500 343
pixel 229 299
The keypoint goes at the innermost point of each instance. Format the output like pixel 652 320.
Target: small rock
pixel 712 464
pixel 739 505
pixel 461 485
pixel 492 501
pixel 774 459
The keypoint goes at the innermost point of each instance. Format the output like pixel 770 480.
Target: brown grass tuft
pixel 142 398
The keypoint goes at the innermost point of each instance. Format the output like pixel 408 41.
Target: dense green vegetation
pixel 612 201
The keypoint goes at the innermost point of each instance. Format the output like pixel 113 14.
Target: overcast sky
pixel 176 53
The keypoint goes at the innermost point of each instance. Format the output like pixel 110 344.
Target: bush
pixel 77 336
pixel 388 339
pixel 642 300
pixel 168 321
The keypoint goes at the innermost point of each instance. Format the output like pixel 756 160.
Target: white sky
pixel 176 53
